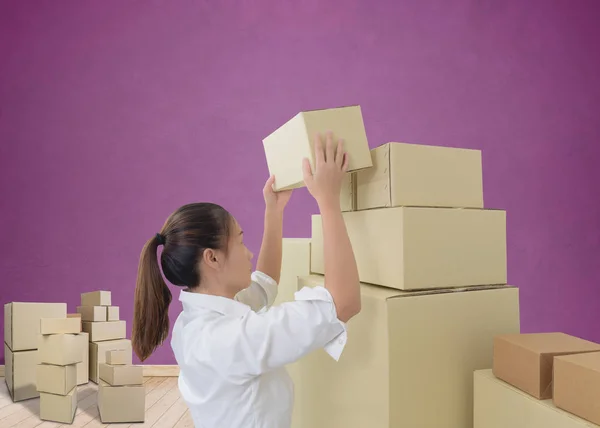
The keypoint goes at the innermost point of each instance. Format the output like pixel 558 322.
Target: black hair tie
pixel 160 239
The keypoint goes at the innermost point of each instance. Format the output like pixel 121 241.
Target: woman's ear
pixel 211 259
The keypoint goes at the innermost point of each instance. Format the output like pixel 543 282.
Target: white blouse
pixel 232 353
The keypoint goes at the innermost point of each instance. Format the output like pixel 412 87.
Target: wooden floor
pixel 164 408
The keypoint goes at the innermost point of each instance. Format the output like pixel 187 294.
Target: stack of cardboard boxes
pixel 47 355
pixel 21 332
pixel 110 356
pixel 121 382
pixel 106 331
pixel 539 380
pixel 432 266
pixel 59 352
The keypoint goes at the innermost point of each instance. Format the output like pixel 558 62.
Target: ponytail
pixel 151 305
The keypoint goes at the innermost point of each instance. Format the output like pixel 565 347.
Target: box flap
pixel 415 293
pixel 384 293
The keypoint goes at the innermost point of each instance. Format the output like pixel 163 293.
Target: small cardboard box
pixel 96 298
pixel 419 175
pixel 59 349
pixel 525 360
pixel 423 248
pixel 405 351
pixel 93 313
pixel 288 145
pixel 22 322
pixel 97 351
pixel 58 408
pixel 500 405
pixel 120 404
pixel 577 385
pixel 20 375
pixel 108 330
pixel 118 357
pixel 121 375
pixel 113 313
pixel 83 368
pixel 78 316
pixel 60 325
pixel 56 379
pixel 295 262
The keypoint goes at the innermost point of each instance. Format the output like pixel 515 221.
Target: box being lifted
pixel 288 145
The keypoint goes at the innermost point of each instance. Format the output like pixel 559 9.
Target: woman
pixel 230 344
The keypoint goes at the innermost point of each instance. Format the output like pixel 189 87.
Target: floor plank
pixel 170 418
pixel 185 421
pixel 164 408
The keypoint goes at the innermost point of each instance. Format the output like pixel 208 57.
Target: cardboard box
pixel 295 262
pixel 118 357
pixel 287 146
pixel 59 349
pixel 22 322
pixel 113 313
pixel 419 175
pixel 93 313
pixel 407 354
pixel 83 368
pixel 78 316
pixel 108 330
pixel 499 405
pixel 19 373
pixel 60 325
pixel 118 404
pixel 97 351
pixel 121 375
pixel 525 360
pixel 423 248
pixel 56 379
pixel 577 385
pixel 96 298
pixel 58 408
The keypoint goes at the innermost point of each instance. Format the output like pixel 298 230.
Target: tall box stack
pixel 432 266
pixel 120 383
pixel 106 331
pixel 21 331
pixel 295 263
pixel 59 352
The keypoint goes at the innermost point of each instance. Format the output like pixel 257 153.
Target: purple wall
pixel 112 114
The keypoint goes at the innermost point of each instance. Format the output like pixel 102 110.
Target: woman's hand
pixel 331 164
pixel 275 200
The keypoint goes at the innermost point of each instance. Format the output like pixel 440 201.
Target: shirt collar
pixel 223 305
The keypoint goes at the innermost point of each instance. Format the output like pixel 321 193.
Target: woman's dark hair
pixel 189 231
